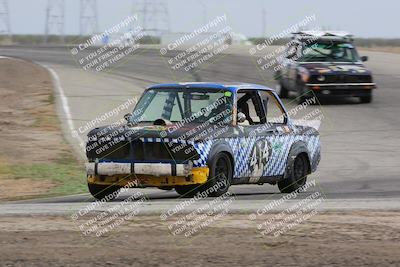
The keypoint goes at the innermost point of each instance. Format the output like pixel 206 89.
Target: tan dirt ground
pixel 29 128
pixel 326 239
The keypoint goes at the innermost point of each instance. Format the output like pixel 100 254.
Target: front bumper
pixel 341 89
pixel 145 174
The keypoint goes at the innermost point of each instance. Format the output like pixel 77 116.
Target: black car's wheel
pixel 221 172
pixel 367 98
pixel 283 91
pixel 297 177
pixel 107 192
pixel 303 94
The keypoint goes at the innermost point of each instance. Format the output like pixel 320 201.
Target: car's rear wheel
pixel 367 98
pixel 297 176
pixel 107 192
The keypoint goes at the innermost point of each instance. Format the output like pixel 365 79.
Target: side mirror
pixel 364 58
pixel 128 117
pixel 241 117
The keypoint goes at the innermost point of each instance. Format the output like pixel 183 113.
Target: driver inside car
pixel 244 108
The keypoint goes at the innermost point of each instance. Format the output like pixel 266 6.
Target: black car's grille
pixel 342 78
pixel 144 151
pixel 356 78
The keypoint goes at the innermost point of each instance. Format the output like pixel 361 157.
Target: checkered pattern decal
pixel 203 149
pixel 242 148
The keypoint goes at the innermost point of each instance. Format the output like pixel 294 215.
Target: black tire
pixel 107 192
pixel 297 176
pixel 303 95
pixel 283 92
pixel 221 170
pixel 366 99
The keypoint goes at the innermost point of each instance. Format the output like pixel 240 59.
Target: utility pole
pixel 55 19
pixel 5 28
pixel 88 17
pixel 154 16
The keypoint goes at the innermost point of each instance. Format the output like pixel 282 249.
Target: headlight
pixel 304 74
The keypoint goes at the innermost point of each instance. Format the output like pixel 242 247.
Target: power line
pixel 55 19
pixel 153 16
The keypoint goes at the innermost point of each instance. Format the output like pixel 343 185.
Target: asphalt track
pixel 360 166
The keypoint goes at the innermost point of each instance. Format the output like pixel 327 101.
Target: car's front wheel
pixel 303 93
pixel 283 91
pixel 367 98
pixel 297 176
pixel 221 172
pixel 107 192
pixel 218 182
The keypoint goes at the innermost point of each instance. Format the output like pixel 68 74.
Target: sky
pixel 362 18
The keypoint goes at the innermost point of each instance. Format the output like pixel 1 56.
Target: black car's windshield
pixel 189 105
pixel 329 52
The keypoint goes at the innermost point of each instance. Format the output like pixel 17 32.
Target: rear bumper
pixel 145 174
pixel 341 89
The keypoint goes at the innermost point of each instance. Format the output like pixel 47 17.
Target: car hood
pixel 174 131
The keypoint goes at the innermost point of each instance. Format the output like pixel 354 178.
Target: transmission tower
pixel 5 28
pixel 153 16
pixel 55 19
pixel 88 17
pixel 264 23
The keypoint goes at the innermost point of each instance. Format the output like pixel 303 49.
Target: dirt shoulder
pixel 326 239
pixel 35 160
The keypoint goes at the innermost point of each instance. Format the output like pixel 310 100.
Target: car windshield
pixel 329 52
pixel 188 105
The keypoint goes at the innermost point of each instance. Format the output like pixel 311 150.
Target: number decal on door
pixel 259 158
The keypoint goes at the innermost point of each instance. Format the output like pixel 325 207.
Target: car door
pixel 277 133
pixel 262 142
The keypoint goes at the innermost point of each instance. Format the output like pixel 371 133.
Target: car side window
pixel 249 103
pixel 273 110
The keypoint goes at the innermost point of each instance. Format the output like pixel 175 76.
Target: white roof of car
pixel 342 34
